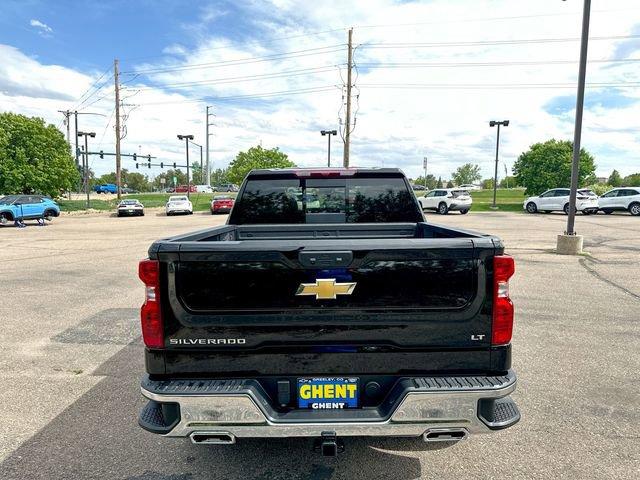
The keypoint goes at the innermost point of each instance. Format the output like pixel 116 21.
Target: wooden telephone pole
pixel 347 131
pixel 116 76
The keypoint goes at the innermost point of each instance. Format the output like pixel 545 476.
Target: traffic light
pixel 149 158
pixel 161 164
pixel 174 165
pixel 149 164
pixel 101 154
pixel 135 157
pixel 136 165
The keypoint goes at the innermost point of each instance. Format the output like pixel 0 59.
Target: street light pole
pixel 494 123
pixel 577 134
pixel 328 133
pixel 424 164
pixel 186 139
pixel 85 163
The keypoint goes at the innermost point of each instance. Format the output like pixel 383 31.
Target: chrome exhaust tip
pixel 212 438
pixel 445 435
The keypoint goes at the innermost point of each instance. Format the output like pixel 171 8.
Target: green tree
pixel 219 175
pixel 615 180
pixel 134 180
pixel 548 165
pixel 632 180
pixel 431 181
pixel 439 184
pixel 254 158
pixel 34 157
pixel 197 174
pixel 181 179
pixel 508 182
pixel 450 184
pixel 467 173
pixel 487 184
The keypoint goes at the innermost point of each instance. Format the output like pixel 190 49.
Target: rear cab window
pixel 360 197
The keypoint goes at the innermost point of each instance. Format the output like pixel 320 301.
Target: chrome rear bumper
pixel 470 404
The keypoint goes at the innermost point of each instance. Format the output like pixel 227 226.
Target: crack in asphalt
pixel 592 271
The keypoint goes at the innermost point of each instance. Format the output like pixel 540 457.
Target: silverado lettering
pixel 327 307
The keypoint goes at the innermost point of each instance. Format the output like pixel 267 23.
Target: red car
pixel 185 188
pixel 222 204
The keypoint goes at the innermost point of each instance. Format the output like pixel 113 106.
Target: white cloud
pixel 43 28
pixel 396 125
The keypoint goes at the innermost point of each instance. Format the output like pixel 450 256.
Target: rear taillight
pixel 150 313
pixel 502 327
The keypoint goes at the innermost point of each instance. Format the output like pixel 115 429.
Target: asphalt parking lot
pixel 72 357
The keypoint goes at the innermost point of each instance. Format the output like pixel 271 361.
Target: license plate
pixel 331 393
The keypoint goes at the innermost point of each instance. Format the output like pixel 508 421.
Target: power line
pixel 289 73
pixel 92 85
pixel 243 61
pixel 479 43
pixel 508 86
pixel 490 64
pixel 315 89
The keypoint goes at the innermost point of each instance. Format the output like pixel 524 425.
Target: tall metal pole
pixel 329 150
pixel 425 172
pixel 208 181
pixel 186 143
pixel 117 114
pixel 577 134
pixel 347 133
pixel 495 176
pixel 86 169
pixel 75 115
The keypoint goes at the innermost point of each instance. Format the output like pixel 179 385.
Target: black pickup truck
pixel 327 307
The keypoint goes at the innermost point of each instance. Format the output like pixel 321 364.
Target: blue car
pixel 27 207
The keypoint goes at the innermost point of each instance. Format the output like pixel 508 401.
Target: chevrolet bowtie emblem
pixel 326 288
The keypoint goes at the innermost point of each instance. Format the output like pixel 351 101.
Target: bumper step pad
pixel 159 417
pixel 498 413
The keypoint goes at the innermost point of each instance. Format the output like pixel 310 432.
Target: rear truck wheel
pixel 532 208
pixel 443 209
pixel 463 212
pixel 634 209
pixel 607 211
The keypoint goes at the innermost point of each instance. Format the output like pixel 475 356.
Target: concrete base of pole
pixel 569 245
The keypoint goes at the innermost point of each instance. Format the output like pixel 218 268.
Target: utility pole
pixel 347 132
pixel 424 161
pixel 208 182
pixel 67 122
pixel 494 123
pixel 85 161
pixel 117 114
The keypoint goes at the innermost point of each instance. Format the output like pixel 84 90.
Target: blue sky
pixel 422 85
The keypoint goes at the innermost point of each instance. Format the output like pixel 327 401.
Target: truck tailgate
pixel 404 293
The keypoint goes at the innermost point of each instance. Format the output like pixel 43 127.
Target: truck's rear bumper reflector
pixel 418 404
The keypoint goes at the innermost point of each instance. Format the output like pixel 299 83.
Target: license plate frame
pixel 320 393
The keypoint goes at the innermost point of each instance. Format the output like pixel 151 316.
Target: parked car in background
pixel 417 187
pixel 443 200
pixel 623 198
pixel 128 190
pixel 557 200
pixel 185 189
pixel 204 189
pixel 106 188
pixel 469 186
pixel 226 187
pixel 27 207
pixel 222 204
pixel 130 207
pixel 178 204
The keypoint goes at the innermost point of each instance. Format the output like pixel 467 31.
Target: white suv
pixel 557 200
pixel 625 198
pixel 443 200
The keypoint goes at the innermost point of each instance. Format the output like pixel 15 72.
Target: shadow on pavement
pixel 98 437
